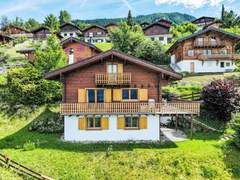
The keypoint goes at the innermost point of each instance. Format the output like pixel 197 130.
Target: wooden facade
pixel 12 30
pixel 203 21
pixel 41 33
pixel 197 46
pixel 156 29
pixel 95 31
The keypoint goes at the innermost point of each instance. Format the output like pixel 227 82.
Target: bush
pixel 29 146
pixel 221 98
pixel 48 122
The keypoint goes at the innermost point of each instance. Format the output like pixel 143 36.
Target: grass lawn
pixel 205 157
pixel 104 46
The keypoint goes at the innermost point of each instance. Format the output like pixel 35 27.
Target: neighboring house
pixel 209 50
pixel 41 33
pixel 69 30
pixel 158 32
pixel 15 31
pixel 27 52
pixel 77 50
pixel 116 97
pixel 111 26
pixel 165 22
pixel 144 24
pixel 203 21
pixel 216 24
pixel 4 39
pixel 95 34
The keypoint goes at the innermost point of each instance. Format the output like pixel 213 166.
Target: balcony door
pixel 112 71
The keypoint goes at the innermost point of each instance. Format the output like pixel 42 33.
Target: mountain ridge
pixel 175 17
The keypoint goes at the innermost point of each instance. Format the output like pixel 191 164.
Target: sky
pixel 91 9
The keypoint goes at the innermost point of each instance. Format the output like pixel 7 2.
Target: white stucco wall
pixel 156 37
pixel 206 67
pixel 68 34
pixel 72 132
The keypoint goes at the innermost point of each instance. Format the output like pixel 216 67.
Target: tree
pixel 18 22
pixel 222 13
pixel 152 51
pixel 230 19
pixel 127 38
pixel 129 18
pixel 64 17
pixel 53 56
pixel 31 24
pixel 183 30
pixel 52 23
pixel 221 98
pixel 4 21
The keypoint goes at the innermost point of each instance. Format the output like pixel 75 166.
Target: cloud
pixel 192 4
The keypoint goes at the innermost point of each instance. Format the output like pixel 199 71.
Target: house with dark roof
pixel 77 50
pixel 203 21
pixel 15 31
pixel 113 96
pixel 69 30
pixel 158 31
pixel 95 34
pixel 207 51
pixel 41 32
pixel 4 39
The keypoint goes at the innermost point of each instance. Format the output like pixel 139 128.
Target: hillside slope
pixel 175 17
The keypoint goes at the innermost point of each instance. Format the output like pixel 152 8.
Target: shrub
pixel 47 122
pixel 221 98
pixel 29 146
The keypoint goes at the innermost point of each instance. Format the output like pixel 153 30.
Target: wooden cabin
pixel 4 39
pixel 69 30
pixel 15 31
pixel 95 34
pixel 78 50
pixel 158 32
pixel 116 97
pixel 165 22
pixel 207 51
pixel 41 33
pixel 203 21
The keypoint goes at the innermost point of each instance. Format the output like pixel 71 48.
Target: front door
pixel 192 67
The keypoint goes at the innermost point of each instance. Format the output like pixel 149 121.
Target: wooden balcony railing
pixel 209 44
pixel 113 78
pixel 217 56
pixel 130 108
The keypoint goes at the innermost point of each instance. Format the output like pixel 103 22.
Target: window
pixel 129 94
pixel 169 40
pixel 190 52
pixel 65 34
pixel 95 95
pixel 93 122
pixel 222 64
pixel 112 68
pixel 223 51
pixel 200 41
pixel 161 38
pixel 71 34
pixel 99 33
pixel 213 41
pixel 131 122
pixel 207 52
pixel 152 38
pixel 228 64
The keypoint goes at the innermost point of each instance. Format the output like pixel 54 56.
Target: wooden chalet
pixel 69 30
pixel 113 96
pixel 78 50
pixel 208 50
pixel 15 31
pixel 203 21
pixel 41 33
pixel 165 22
pixel 158 32
pixel 95 34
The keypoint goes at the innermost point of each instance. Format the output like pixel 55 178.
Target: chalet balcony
pixel 113 79
pixel 202 44
pixel 172 108
pixel 218 56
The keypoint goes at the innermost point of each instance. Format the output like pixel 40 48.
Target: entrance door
pixel 192 67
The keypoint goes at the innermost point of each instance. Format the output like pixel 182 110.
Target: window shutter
pixel 143 94
pixel 143 122
pixel 82 123
pixel 81 95
pixel 107 95
pixel 104 123
pixel 120 68
pixel 120 122
pixel 117 94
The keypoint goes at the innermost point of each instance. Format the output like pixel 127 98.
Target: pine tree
pixel 64 17
pixel 52 23
pixel 223 11
pixel 129 18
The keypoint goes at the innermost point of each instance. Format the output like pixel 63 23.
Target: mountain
pixel 175 17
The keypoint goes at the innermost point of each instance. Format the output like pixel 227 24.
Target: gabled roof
pixel 203 17
pixel 88 61
pixel 95 26
pixel 17 27
pixel 210 29
pixel 69 24
pixel 40 28
pixel 73 39
pixel 26 50
pixel 157 24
